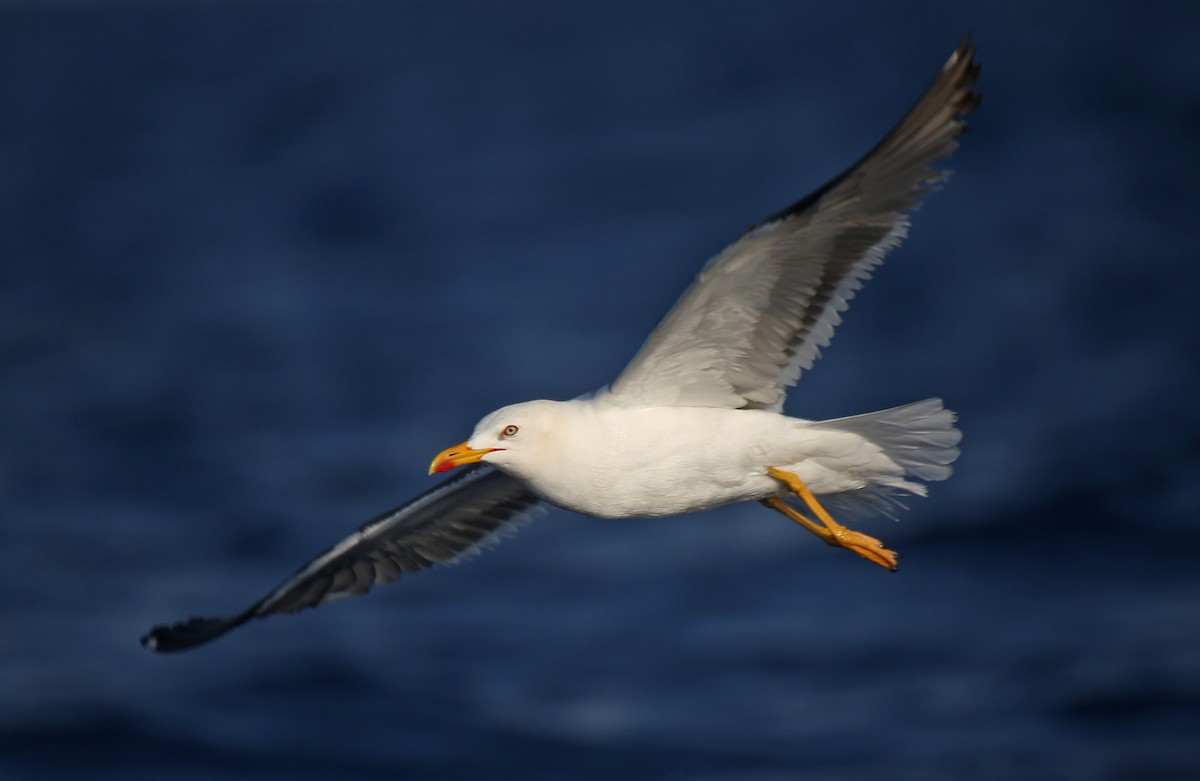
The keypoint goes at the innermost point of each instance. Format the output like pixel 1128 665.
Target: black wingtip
pixel 188 634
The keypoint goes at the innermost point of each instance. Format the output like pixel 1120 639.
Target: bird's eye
pixel 510 431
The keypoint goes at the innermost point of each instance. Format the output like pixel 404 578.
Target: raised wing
pixel 759 313
pixel 442 524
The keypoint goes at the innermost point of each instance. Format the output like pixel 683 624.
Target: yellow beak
pixel 457 456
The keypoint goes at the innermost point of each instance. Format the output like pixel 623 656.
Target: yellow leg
pixel 832 532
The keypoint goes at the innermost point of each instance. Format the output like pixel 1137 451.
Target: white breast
pixel 613 462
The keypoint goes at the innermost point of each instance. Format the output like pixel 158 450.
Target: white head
pixel 513 438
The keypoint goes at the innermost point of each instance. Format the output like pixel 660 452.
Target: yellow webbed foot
pixel 832 532
pixel 866 546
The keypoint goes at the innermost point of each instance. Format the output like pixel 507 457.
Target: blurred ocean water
pixel 262 260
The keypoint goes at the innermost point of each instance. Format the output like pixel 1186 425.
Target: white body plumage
pixel 608 460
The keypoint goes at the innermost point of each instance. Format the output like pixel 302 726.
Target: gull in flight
pixel 695 421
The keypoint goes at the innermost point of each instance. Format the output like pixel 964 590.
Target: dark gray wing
pixel 759 313
pixel 443 523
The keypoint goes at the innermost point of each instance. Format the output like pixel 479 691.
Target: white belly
pixel 667 461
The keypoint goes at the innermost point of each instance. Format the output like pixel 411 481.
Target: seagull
pixel 695 421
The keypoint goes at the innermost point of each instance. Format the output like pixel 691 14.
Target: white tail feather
pixel 920 438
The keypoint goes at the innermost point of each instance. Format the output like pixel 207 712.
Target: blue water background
pixel 261 261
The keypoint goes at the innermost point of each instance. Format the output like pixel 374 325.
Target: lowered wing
pixel 440 525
